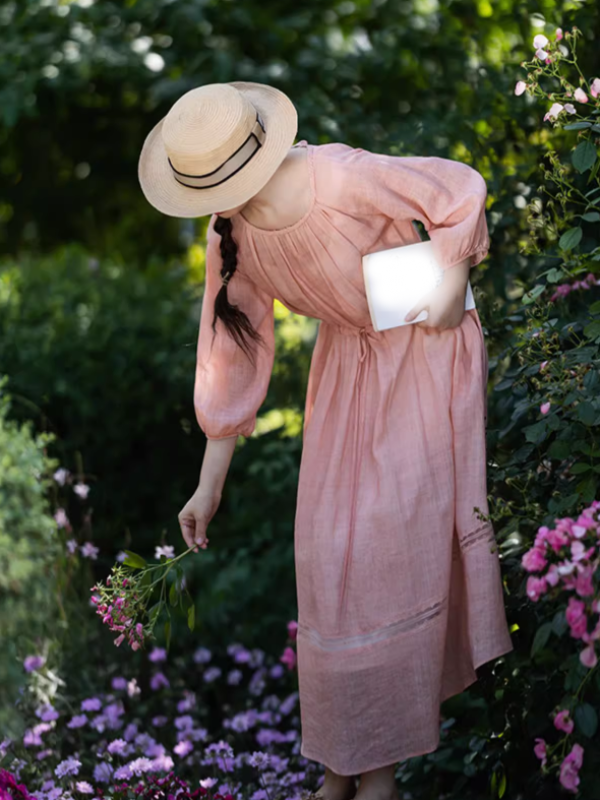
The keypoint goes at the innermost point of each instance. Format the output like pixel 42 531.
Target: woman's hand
pixel 195 516
pixel 445 304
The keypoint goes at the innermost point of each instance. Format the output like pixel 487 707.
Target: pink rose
pixel 580 95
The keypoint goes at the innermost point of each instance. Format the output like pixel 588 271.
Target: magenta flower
pixel 534 560
pixel 576 617
pixel 535 587
pixel 288 658
pixel 540 750
pixel 545 407
pixel 563 721
pixel 292 628
pixel 569 769
pixel 588 656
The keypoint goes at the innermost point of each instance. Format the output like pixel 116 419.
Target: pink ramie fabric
pixel 398 580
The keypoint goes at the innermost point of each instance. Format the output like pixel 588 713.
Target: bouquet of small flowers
pixel 123 601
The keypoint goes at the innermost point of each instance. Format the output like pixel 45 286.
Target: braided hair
pixel 234 319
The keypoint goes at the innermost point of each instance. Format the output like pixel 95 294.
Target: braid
pixel 234 319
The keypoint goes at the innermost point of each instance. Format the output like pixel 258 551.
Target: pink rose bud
pixel 545 407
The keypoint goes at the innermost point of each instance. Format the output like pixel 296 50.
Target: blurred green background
pixel 100 294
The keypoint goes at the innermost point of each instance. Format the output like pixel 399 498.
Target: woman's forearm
pixel 215 464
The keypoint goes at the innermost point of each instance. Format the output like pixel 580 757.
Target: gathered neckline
pixel 306 215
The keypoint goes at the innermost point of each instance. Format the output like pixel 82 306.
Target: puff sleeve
pixel 447 196
pixel 228 388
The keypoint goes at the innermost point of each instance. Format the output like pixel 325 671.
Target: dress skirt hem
pixel 425 749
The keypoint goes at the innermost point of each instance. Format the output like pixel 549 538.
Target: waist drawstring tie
pixel 363 336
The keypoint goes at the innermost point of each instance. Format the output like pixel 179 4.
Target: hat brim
pixel 170 197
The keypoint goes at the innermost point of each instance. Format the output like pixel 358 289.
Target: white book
pixel 397 278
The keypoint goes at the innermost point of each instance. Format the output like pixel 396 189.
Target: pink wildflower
pixel 534 560
pixel 289 658
pixel 580 95
pixel 540 750
pixel 545 407
pixel 563 721
pixel 588 656
pixel 569 769
pixel 576 617
pixel 535 587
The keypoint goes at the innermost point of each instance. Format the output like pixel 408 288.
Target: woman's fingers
pixel 188 529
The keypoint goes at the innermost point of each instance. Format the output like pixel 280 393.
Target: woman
pixel 398 580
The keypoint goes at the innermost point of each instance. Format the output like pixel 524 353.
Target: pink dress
pixel 398 582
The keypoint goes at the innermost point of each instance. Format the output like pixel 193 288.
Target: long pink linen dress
pixel 398 580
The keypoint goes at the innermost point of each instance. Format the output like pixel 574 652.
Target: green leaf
pixel 502 787
pixel 579 469
pixel 154 612
pixel 586 719
pixel 595 307
pixel 536 433
pixel 554 275
pixel 541 638
pixel 173 594
pixel 532 295
pixel 570 238
pixel 592 331
pixel 191 617
pixel 577 126
pixel 584 155
pixel 586 412
pixel 559 624
pixel 591 216
pixel 559 449
pixel 133 560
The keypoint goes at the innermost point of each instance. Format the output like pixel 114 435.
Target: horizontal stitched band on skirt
pixel 400 626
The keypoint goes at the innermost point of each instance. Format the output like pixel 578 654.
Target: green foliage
pixel 28 550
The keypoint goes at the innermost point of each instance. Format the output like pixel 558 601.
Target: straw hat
pixel 217 147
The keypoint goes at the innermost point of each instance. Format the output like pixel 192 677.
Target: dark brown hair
pixel 235 320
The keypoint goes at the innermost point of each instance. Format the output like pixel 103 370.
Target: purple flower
pixel 119 683
pixel 84 787
pixel 276 671
pixel 289 703
pixel 70 766
pixel 78 721
pixel 103 772
pixel 202 655
pixel 32 739
pixel 158 680
pixel 234 677
pixel 118 747
pixel 159 721
pixel 183 748
pixel 88 550
pixel 184 723
pixel 123 773
pixel 259 760
pixel 47 713
pixel 130 731
pixel 157 654
pixel 91 704
pixel 31 663
pixel 162 763
pixel 140 765
pixel 211 674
